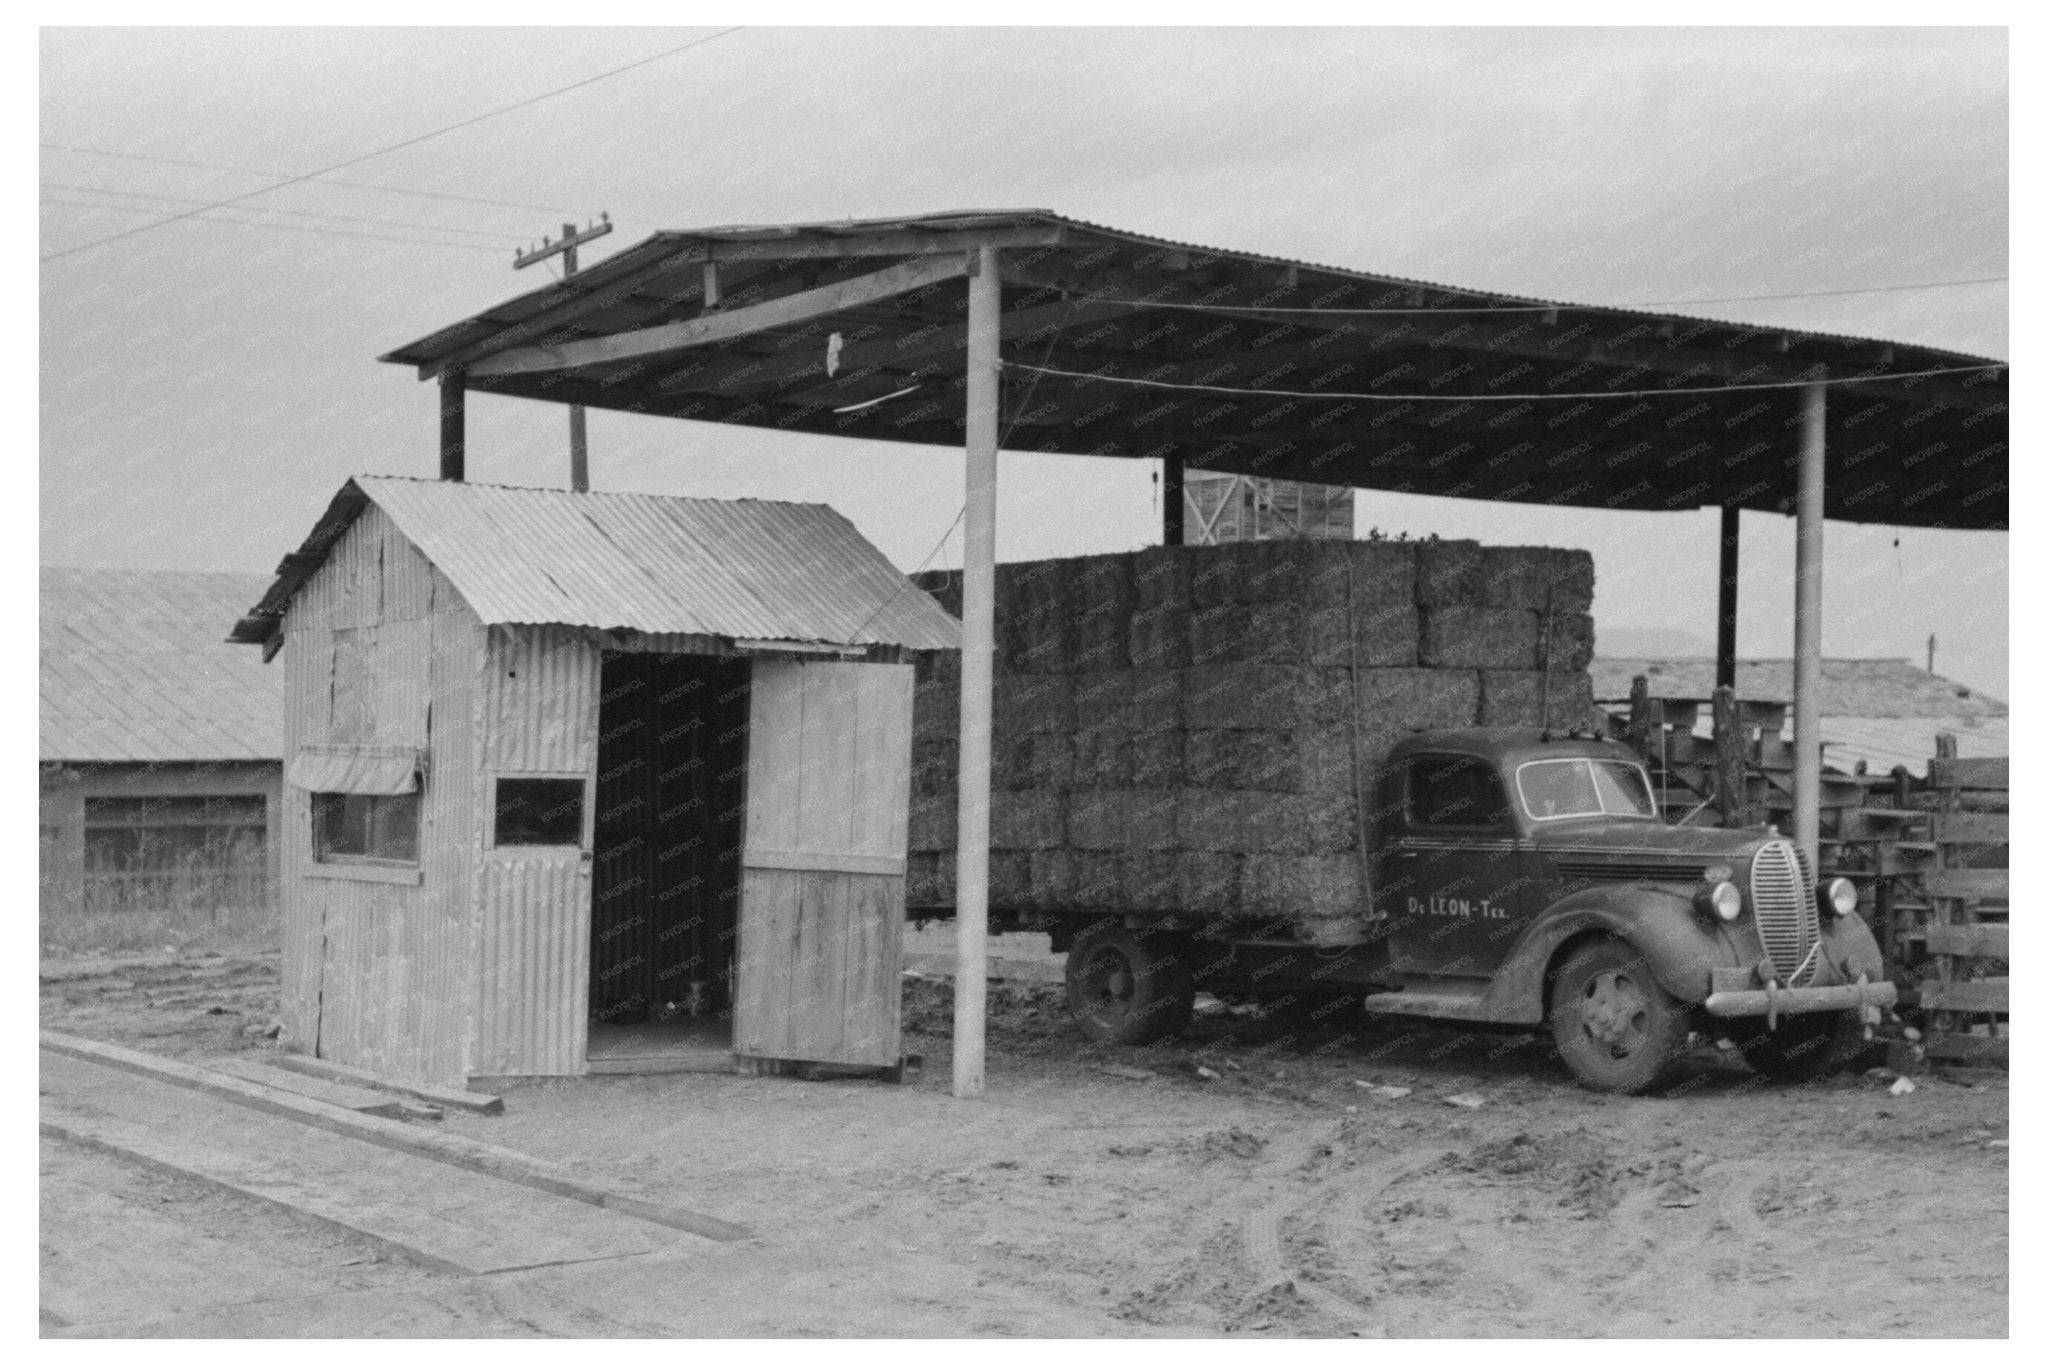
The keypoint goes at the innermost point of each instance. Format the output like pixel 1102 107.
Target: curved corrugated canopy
pixel 742 570
pixel 1431 370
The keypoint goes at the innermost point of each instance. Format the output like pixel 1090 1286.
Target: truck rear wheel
pixel 1129 985
pixel 1805 1047
pixel 1616 1028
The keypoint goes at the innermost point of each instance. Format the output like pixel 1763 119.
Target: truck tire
pixel 1805 1047
pixel 1615 1027
pixel 1129 985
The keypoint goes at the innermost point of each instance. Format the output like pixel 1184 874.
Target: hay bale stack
pixel 1186 730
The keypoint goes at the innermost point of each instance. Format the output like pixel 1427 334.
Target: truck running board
pixel 1436 1000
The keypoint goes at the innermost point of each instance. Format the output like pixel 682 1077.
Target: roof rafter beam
pixel 906 243
pixel 712 328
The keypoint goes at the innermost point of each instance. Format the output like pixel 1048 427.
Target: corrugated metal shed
pixel 1882 712
pixel 133 669
pixel 645 562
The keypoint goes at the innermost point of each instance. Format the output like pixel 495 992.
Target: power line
pixel 289 213
pixel 279 175
pixel 1449 311
pixel 1499 397
pixel 396 146
pixel 210 217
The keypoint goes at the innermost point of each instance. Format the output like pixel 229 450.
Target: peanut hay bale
pixel 1478 637
pixel 1243 760
pixel 1537 577
pixel 1027 820
pixel 1238 697
pixel 1449 573
pixel 1297 885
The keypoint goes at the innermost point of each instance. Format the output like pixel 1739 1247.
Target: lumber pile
pixel 1185 730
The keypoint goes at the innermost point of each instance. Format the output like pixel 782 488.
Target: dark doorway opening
pixel 665 880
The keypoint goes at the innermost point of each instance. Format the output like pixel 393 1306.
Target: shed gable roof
pixel 745 569
pixel 133 669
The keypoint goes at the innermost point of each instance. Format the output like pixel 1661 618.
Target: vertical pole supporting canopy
pixel 977 675
pixel 1173 507
pixel 1731 558
pixel 451 426
pixel 1806 624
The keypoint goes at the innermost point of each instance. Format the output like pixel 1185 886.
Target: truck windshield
pixel 1561 788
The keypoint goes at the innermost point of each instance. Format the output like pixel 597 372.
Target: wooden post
pixel 1173 501
pixel 977 675
pixel 1731 545
pixel 1806 624
pixel 451 426
pixel 579 435
pixel 1731 740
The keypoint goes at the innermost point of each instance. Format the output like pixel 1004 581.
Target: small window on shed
pixel 539 810
pixel 380 829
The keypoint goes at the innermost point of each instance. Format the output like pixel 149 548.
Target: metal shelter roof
pixel 858 329
pixel 744 570
pixel 133 670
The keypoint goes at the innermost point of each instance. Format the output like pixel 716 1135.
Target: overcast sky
pixel 207 385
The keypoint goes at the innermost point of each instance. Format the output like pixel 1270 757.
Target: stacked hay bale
pixel 1188 730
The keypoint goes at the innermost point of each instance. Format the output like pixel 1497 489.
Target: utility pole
pixel 579 443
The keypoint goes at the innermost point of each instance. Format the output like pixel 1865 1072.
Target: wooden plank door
pixel 821 892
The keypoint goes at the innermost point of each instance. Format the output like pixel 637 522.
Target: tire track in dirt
pixel 1262 1235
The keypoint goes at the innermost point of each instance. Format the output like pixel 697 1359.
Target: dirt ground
pixel 1356 1179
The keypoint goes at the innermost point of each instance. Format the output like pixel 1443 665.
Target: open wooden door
pixel 821 893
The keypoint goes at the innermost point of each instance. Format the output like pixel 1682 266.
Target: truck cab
pixel 1524 877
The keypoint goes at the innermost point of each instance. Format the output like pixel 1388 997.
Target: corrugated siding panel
pixel 540 701
pixel 381 975
pixel 534 982
pixel 745 569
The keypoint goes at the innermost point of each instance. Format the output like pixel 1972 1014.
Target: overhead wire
pixel 1502 397
pixel 1455 310
pixel 288 213
pixel 321 180
pixel 392 147
pixel 215 217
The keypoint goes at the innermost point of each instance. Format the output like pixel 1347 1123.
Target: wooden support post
pixel 977 674
pixel 451 426
pixel 1806 624
pixel 1173 501
pixel 1731 548
pixel 1731 742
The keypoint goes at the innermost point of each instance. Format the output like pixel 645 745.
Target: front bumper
pixel 1774 1000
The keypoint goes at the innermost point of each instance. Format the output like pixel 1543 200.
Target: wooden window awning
pixel 356 769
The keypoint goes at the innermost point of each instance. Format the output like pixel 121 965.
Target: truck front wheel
pixel 1129 985
pixel 1616 1028
pixel 1804 1047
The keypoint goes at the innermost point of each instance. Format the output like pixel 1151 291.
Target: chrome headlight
pixel 1721 899
pixel 1841 896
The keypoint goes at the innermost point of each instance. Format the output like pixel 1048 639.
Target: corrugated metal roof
pixel 133 669
pixel 743 569
pixel 671 242
pixel 1883 713
pixel 1848 687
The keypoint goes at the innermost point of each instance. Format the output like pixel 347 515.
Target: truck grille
pixel 1787 918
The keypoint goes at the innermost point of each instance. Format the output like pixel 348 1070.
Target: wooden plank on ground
pixel 1968 883
pixel 456 1219
pixel 1969 940
pixel 378 1103
pixel 354 1075
pixel 1990 995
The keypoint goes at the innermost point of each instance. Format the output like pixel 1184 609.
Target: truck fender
pixel 1661 925
pixel 1852 949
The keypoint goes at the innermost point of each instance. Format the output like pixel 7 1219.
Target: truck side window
pixel 1450 789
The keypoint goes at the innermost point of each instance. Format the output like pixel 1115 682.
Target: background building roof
pixel 743 570
pixel 134 667
pixel 1884 713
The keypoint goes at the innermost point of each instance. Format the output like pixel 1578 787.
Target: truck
pixel 1523 877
